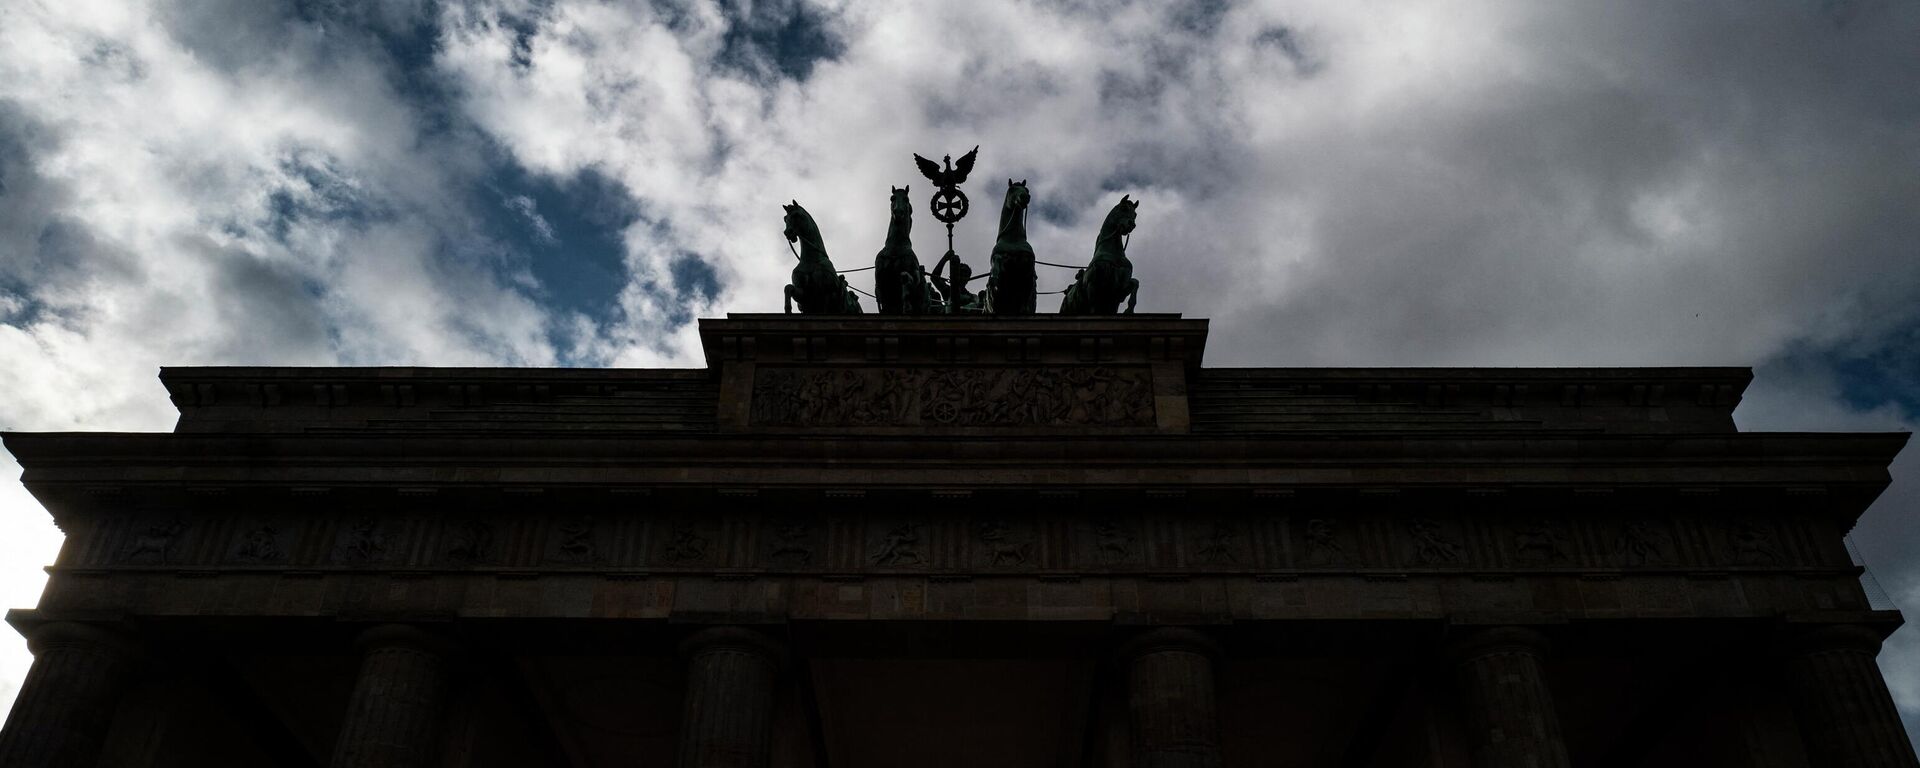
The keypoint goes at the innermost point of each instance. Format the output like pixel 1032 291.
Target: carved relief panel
pixel 262 541
pixel 1062 396
pixel 792 542
pixel 968 535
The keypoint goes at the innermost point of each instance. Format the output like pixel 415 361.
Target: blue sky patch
pixel 1889 373
pixel 569 232
pixel 783 38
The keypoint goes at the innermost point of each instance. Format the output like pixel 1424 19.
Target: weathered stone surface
pixel 729 708
pixel 1170 699
pixel 393 720
pixel 1511 718
pixel 1092 483
pixel 67 702
pixel 1846 713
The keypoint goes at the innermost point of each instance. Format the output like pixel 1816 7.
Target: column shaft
pixel 1171 700
pixel 67 702
pixel 726 718
pixel 1510 715
pixel 1846 714
pixel 393 718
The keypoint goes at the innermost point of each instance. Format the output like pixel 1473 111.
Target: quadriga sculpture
pixel 1010 286
pixel 899 284
pixel 1098 289
pixel 816 286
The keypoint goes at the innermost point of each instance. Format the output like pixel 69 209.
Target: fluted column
pixel 1510 716
pixel 1846 715
pixel 67 702
pixel 1170 700
pixel 393 719
pixel 726 717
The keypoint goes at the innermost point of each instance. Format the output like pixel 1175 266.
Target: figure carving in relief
pixel 1323 543
pixel 901 546
pixel 1112 542
pixel 261 545
pixel 576 539
pixel 1218 546
pixel 1063 396
pixel 686 546
pixel 364 541
pixel 1752 544
pixel 1641 543
pixel 1538 542
pixel 470 541
pixel 1430 545
pixel 154 541
pixel 790 540
pixel 1001 549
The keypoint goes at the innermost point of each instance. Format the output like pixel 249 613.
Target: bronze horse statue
pixel 1098 289
pixel 1010 287
pixel 899 284
pixel 818 288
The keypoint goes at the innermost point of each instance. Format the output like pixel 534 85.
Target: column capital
pixel 1495 640
pixel 410 636
pixel 732 638
pixel 1166 639
pixel 73 634
pixel 1831 637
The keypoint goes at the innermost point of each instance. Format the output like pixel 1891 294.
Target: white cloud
pixel 1505 182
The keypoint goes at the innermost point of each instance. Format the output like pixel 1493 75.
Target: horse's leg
pixel 1133 293
pixel 789 292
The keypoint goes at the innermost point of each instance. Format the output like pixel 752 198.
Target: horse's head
pixel 902 205
pixel 1120 220
pixel 1017 196
pixel 800 224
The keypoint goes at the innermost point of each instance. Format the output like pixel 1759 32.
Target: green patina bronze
pixel 1010 286
pixel 901 286
pixel 816 286
pixel 899 283
pixel 1098 289
pixel 952 288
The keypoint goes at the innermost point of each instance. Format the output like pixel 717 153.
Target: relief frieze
pixel 791 544
pixel 1428 543
pixel 1322 543
pixel 899 546
pixel 152 541
pixel 362 541
pixel 1063 396
pixel 1642 543
pixel 469 541
pixel 991 540
pixel 1217 543
pixel 575 540
pixel 1751 543
pixel 686 545
pixel 1539 542
pixel 1002 546
pixel 1113 542
pixel 260 544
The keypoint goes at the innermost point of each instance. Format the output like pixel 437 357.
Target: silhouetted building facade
pixel 872 542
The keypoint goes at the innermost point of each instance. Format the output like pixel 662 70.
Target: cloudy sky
pixel 1428 182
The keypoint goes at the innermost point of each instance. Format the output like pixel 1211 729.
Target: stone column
pixel 726 717
pixel 1846 715
pixel 68 700
pixel 393 719
pixel 1511 722
pixel 1170 699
